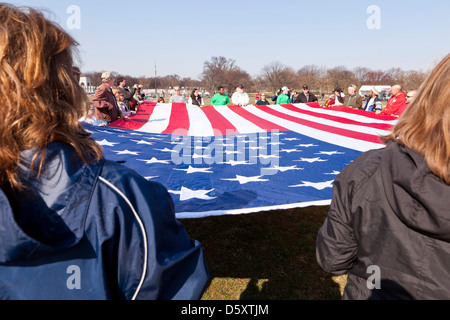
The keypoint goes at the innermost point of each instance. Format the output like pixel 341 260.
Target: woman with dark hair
pixel 196 99
pixel 338 97
pixel 74 225
pixel 388 225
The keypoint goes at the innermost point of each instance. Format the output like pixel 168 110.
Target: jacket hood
pixel 420 199
pixel 50 215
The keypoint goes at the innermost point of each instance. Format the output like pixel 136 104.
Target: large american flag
pixel 220 160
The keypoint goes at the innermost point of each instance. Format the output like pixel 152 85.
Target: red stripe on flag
pixel 220 124
pixel 138 120
pixel 179 120
pixel 381 126
pixel 322 127
pixel 367 114
pixel 258 121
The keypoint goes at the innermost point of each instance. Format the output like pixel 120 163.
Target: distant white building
pixel 364 90
pixel 85 81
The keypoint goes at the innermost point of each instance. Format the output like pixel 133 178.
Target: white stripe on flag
pixel 348 115
pixel 242 125
pixel 339 140
pixel 159 119
pixel 340 125
pixel 199 124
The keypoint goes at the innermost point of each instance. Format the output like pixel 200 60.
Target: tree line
pixel 221 71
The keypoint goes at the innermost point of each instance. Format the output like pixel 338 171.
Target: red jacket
pixel 402 109
pixel 105 104
pixel 394 103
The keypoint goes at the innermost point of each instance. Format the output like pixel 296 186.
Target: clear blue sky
pixel 180 35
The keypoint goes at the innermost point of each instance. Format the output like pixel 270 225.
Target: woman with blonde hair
pixel 388 225
pixel 74 225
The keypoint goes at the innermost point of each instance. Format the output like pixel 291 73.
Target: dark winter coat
pixel 389 211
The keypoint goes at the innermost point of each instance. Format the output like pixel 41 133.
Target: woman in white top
pixel 196 99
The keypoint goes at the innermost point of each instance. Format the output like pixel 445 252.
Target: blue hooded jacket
pixel 94 232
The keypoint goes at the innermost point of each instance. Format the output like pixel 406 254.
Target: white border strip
pixel 195 215
pixel 144 235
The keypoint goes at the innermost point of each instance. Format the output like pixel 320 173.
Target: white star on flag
pixel 333 173
pixel 105 142
pixel 195 170
pixel 284 169
pixel 244 180
pixel 329 153
pixel 290 150
pixel 307 145
pixel 235 163
pixel 153 138
pixel 317 185
pixel 187 194
pixel 134 153
pixel 311 160
pixel 107 132
pixel 167 150
pixel 143 142
pixel 154 160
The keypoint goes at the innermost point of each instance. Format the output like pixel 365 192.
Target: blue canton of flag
pixel 230 174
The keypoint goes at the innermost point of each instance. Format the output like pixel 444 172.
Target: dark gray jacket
pixel 390 211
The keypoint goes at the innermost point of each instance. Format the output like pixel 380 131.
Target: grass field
pixel 265 256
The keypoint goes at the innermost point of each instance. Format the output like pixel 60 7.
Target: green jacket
pixel 283 99
pixel 220 100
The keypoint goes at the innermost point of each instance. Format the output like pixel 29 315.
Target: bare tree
pixel 310 75
pixel 340 77
pixel 277 75
pixel 412 79
pixel 215 72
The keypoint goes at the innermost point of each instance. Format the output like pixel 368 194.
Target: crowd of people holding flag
pixel 109 106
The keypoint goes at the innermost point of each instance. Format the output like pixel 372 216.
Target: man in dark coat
pixel 306 96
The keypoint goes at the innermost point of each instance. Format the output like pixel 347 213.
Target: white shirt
pixel 240 99
pixel 177 98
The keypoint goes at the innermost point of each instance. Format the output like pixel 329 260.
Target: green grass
pixel 265 256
